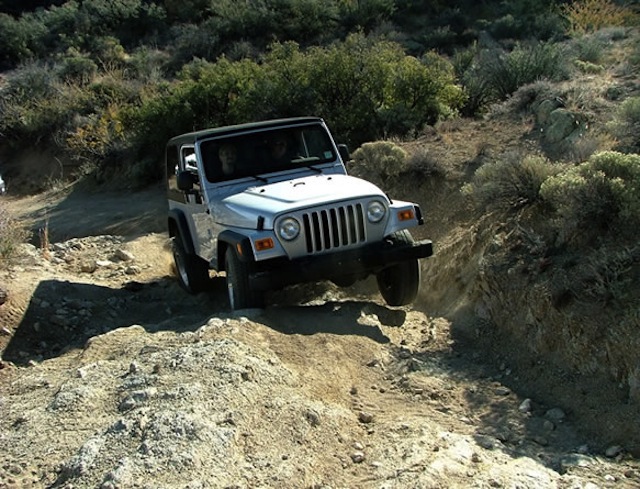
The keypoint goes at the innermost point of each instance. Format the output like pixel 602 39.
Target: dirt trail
pixel 114 377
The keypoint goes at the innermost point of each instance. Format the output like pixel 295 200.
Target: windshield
pixel 268 151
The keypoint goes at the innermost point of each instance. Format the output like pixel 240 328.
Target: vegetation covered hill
pixel 98 86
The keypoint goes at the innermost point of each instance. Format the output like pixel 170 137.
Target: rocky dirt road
pixel 112 377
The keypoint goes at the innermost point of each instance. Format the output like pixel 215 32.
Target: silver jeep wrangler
pixel 270 204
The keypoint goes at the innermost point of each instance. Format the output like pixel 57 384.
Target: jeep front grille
pixel 334 228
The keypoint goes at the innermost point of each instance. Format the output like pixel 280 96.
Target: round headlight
pixel 289 229
pixel 376 211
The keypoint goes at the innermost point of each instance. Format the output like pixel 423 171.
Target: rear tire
pixel 193 271
pixel 399 284
pixel 241 295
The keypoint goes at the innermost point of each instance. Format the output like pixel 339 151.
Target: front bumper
pixel 280 272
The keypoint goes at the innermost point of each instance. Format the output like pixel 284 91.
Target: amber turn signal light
pixel 406 215
pixel 264 244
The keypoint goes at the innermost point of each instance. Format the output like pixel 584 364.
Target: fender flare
pixel 178 225
pixel 237 241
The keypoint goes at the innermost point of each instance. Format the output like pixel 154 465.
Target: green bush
pixel 17 40
pixel 600 195
pixel 76 68
pixel 38 106
pixel 589 48
pixel 422 163
pixel 591 15
pixel 506 72
pixel 490 75
pixel 478 91
pixel 379 160
pixel 607 276
pixel 626 123
pixel 510 183
pixel 364 88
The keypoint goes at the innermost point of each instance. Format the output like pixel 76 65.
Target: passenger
pixel 280 150
pixel 227 155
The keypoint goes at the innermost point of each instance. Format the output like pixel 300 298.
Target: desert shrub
pixel 364 88
pixel 37 105
pixel 379 160
pixel 600 195
pixel 527 19
pixel 634 55
pixel 607 276
pixel 18 40
pixel 77 68
pixel 95 136
pixel 626 122
pixel 12 234
pixel 479 94
pixel 510 183
pixel 588 67
pixel 364 15
pixel 528 97
pixel 491 74
pixel 526 63
pixel 591 15
pixel 147 65
pixel 418 92
pixel 589 48
pixel 196 41
pixel 265 21
pixel 421 162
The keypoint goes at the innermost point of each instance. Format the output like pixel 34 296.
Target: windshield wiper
pixel 258 177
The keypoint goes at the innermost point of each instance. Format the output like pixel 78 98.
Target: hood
pixel 242 209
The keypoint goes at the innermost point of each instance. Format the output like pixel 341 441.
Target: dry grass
pixel 12 234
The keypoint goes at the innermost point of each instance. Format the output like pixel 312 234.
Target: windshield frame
pixel 258 153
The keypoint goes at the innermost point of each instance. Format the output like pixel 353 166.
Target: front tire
pixel 241 295
pixel 193 271
pixel 399 284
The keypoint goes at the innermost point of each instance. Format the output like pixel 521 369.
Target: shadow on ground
pixel 62 315
pixel 83 212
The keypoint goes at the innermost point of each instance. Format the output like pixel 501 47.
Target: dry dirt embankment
pixel 114 377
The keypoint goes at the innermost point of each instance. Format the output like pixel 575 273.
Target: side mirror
pixel 344 153
pixel 185 181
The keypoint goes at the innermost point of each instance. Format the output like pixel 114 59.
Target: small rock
pixel 133 270
pixel 548 425
pixel 525 406
pixel 540 440
pixel 576 460
pixel 502 391
pixel 613 451
pixel 124 255
pixel 583 449
pixel 365 417
pixel 357 457
pixel 404 353
pixel 88 267
pixel 486 442
pixel 312 417
pixel 555 414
